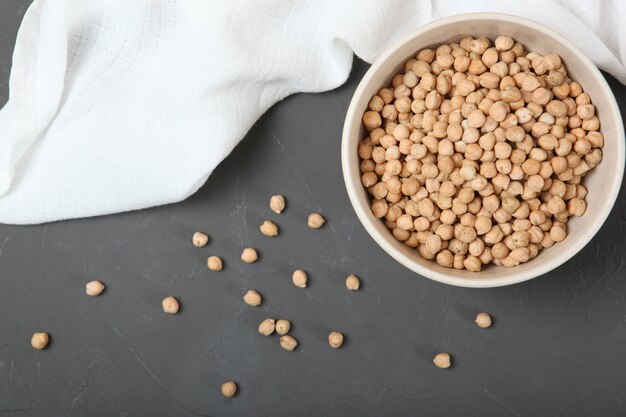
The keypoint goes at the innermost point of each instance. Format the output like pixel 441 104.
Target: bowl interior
pixel 603 182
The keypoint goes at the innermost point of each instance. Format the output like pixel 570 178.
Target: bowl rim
pixel 384 242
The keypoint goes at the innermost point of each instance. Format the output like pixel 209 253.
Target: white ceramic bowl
pixel 603 182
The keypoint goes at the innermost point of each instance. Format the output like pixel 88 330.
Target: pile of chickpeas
pixel 476 152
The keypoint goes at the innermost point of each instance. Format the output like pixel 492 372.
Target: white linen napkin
pixel 119 105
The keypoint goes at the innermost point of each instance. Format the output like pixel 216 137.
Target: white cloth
pixel 118 105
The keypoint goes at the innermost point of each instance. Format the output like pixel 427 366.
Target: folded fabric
pixel 119 105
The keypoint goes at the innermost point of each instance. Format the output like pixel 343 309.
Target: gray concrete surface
pixel 557 347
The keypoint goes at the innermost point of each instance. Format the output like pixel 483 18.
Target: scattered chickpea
pixel 229 389
pixel 283 326
pixel 476 152
pixel 249 255
pixel 252 298
pixel 335 340
pixel 315 221
pixel 170 305
pixel 214 263
pixel 199 239
pixel 442 360
pixel 277 203
pixel 94 288
pixel 288 342
pixel 40 340
pixel 483 320
pixel 267 327
pixel 353 282
pixel 299 278
pixel 269 228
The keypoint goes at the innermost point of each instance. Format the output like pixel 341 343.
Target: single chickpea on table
pixel 476 153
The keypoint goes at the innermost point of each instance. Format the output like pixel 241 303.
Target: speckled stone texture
pixel 557 347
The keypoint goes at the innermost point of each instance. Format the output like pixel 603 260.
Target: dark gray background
pixel 557 347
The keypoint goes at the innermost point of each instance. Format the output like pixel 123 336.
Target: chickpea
pixel 353 283
pixel 299 278
pixel 249 255
pixel 40 340
pixel 267 327
pixel 335 340
pixel 315 221
pixel 214 263
pixel 288 342
pixel 442 360
pixel 483 320
pixel 283 326
pixel 576 207
pixel 229 389
pixel 199 239
pixel 269 228
pixel 277 202
pixel 94 288
pixel 252 298
pixel 170 305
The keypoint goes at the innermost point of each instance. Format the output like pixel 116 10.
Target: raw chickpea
pixel 199 239
pixel 214 263
pixel 315 221
pixel 269 228
pixel 371 120
pixel 494 235
pixel 442 360
pixel 335 340
pixel 283 326
pixel 482 225
pixel 520 255
pixel 500 251
pixel 267 327
pixel 229 389
pixel 445 231
pixel 249 255
pixel 376 104
pixel 353 283
pixel 299 278
pixel 521 238
pixel 472 263
pixel 252 298
pixel 476 247
pixel 379 208
pixel 556 205
pixel 466 234
pixel 483 320
pixel 558 233
pixel 277 202
pixel 170 305
pixel 288 342
pixel 576 207
pixel 445 258
pixel 94 288
pixel 40 340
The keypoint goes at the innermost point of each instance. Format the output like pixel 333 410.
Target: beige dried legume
pixel 288 342
pixel 229 389
pixel 199 239
pixel 277 202
pixel 283 326
pixel 170 305
pixel 40 340
pixel 252 298
pixel 483 320
pixel 442 360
